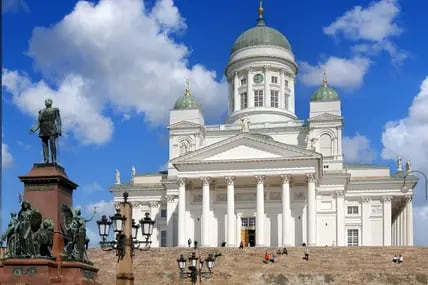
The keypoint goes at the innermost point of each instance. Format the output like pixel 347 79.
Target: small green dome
pixel 187 101
pixel 260 35
pixel 325 93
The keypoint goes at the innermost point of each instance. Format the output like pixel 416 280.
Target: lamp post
pixel 196 266
pixel 125 242
pixel 405 188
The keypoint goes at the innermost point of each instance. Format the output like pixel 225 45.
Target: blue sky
pixel 116 67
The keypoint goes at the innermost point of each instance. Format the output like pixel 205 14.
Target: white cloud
pixel 128 59
pixel 6 157
pixel 371 28
pixel 341 72
pixel 14 6
pixel 168 16
pixel 374 23
pixel 357 149
pixel 408 137
pixel 80 114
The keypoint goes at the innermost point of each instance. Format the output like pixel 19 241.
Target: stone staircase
pixel 326 265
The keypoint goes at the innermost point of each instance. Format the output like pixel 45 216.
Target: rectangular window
pixel 286 83
pixel 163 213
pixel 352 237
pixel 248 221
pixel 274 80
pixel 243 81
pixel 163 239
pixel 258 98
pixel 274 94
pixel 352 210
pixel 244 100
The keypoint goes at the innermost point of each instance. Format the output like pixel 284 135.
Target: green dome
pixel 325 93
pixel 260 35
pixel 186 102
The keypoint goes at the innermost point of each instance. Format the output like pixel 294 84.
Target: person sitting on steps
pixel 306 254
pixel 282 250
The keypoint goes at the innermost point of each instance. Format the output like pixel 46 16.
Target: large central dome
pixel 260 35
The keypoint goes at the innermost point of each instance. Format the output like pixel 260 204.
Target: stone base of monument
pixel 34 271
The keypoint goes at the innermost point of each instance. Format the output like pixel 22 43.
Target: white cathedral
pixel 265 177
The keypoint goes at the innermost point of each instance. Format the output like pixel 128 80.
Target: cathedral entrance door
pixel 248 231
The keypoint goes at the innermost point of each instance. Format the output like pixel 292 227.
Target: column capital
pixel 230 179
pixel 365 199
pixel 154 204
pixel 310 177
pixel 260 179
pixel 285 178
pixel 408 198
pixel 340 194
pixel 205 180
pixel 171 198
pixel 181 181
pixel 386 199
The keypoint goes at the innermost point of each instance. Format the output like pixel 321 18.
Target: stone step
pixel 340 265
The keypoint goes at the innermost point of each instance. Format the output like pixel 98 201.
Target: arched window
pixel 326 146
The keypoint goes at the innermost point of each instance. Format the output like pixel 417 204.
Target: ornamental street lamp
pixel 125 242
pixel 405 188
pixel 196 266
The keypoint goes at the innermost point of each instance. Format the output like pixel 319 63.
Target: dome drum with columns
pixel 264 177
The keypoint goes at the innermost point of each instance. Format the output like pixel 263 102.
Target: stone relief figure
pixel 184 147
pixel 408 166
pixel 133 170
pixel 75 239
pixel 245 124
pixel 117 176
pixel 49 126
pixel 399 164
pixel 26 236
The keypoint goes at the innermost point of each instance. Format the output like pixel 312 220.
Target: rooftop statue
pixel 75 239
pixel 26 235
pixel 49 126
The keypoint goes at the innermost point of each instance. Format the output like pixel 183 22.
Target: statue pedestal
pixel 17 271
pixel 47 187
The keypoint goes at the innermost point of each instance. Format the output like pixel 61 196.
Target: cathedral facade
pixel 265 177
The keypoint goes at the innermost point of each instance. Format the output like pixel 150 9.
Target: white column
pixel 266 101
pixel 399 230
pixel 404 224
pixel 250 92
pixel 170 209
pixel 393 234
pixel 409 220
pixel 205 210
pixel 386 220
pixel 236 96
pixel 365 230
pixel 281 98
pixel 238 228
pixel 286 212
pixel 230 211
pixel 181 211
pixel 260 218
pixel 340 218
pixel 311 212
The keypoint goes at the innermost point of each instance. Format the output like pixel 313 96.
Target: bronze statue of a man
pixel 49 124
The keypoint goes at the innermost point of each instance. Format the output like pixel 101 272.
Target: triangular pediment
pixel 325 117
pixel 184 125
pixel 246 147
